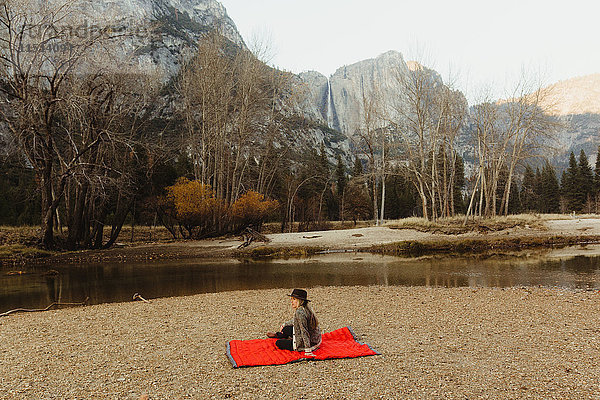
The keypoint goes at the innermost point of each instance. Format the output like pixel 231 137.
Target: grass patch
pixel 30 235
pixel 24 235
pixel 486 246
pixel 456 226
pixel 21 244
pixel 19 251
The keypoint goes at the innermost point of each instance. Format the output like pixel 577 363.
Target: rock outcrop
pixel 178 25
pixel 339 99
pixel 576 104
pixel 154 34
pixel 576 96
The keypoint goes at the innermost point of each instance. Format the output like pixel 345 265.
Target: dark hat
pixel 299 294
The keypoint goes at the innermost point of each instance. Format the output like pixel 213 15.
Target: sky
pixel 476 44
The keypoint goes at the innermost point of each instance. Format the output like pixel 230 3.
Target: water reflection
pixel 39 287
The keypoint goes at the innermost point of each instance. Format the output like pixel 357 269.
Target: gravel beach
pixel 434 343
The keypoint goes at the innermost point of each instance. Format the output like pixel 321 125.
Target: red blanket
pixel 340 343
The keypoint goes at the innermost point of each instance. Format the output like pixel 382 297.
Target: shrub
pixel 196 208
pixel 251 210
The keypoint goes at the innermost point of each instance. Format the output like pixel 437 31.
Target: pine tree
pixel 328 204
pixel 342 182
pixel 529 196
pixel 596 192
pixel 537 188
pixel 564 183
pixel 569 186
pixel 358 168
pixel 550 192
pixel 340 175
pixel 586 180
pixel 401 199
pixel 502 181
pixel 459 184
pixel 323 163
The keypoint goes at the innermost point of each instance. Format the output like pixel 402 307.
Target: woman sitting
pixel 301 333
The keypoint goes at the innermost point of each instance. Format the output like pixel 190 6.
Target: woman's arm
pixel 302 320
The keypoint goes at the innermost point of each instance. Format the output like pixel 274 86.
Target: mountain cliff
pixel 576 96
pixel 155 33
pixel 338 100
pixel 576 104
pixel 179 24
pixel 161 33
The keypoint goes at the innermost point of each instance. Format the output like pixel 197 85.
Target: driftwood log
pixel 138 296
pixel 57 304
pixel 249 235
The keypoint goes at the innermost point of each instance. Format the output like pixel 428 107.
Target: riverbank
pixel 434 343
pixel 404 237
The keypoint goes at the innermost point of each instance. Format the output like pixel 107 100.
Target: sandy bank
pixel 435 343
pixel 365 237
pixel 581 230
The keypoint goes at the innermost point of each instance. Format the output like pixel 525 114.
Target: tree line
pixel 99 141
pixel 422 130
pixel 580 185
pixel 89 147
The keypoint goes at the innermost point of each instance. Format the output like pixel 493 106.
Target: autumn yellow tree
pixel 231 104
pixel 251 209
pixel 196 207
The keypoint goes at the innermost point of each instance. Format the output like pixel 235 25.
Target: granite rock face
pixel 150 33
pixel 349 83
pixel 339 99
pixel 578 132
pixel 160 34
pixel 576 104
pixel 178 25
pixel 313 91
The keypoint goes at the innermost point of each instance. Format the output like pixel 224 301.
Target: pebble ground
pixel 436 343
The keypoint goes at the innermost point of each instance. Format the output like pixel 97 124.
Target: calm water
pixel 117 282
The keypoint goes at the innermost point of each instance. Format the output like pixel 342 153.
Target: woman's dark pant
pixel 284 338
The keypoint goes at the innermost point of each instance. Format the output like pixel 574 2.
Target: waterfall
pixel 329 105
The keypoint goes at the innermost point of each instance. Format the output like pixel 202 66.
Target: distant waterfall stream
pixel 330 122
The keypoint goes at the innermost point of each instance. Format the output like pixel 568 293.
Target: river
pixel 37 287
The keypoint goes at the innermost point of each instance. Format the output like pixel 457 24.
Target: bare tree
pixel 530 129
pixel 33 80
pixel 372 140
pixel 110 113
pixel 64 109
pixel 232 106
pixel 426 121
pixel 506 133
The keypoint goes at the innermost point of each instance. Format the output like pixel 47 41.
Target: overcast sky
pixel 485 43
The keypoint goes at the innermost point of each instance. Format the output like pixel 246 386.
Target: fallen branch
pixel 57 304
pixel 138 296
pixel 249 235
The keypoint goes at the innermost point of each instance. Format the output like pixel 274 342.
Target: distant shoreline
pixel 390 239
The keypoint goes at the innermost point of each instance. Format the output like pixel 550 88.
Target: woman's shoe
pixel 271 335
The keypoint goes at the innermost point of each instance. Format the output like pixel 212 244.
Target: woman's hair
pixel 312 318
